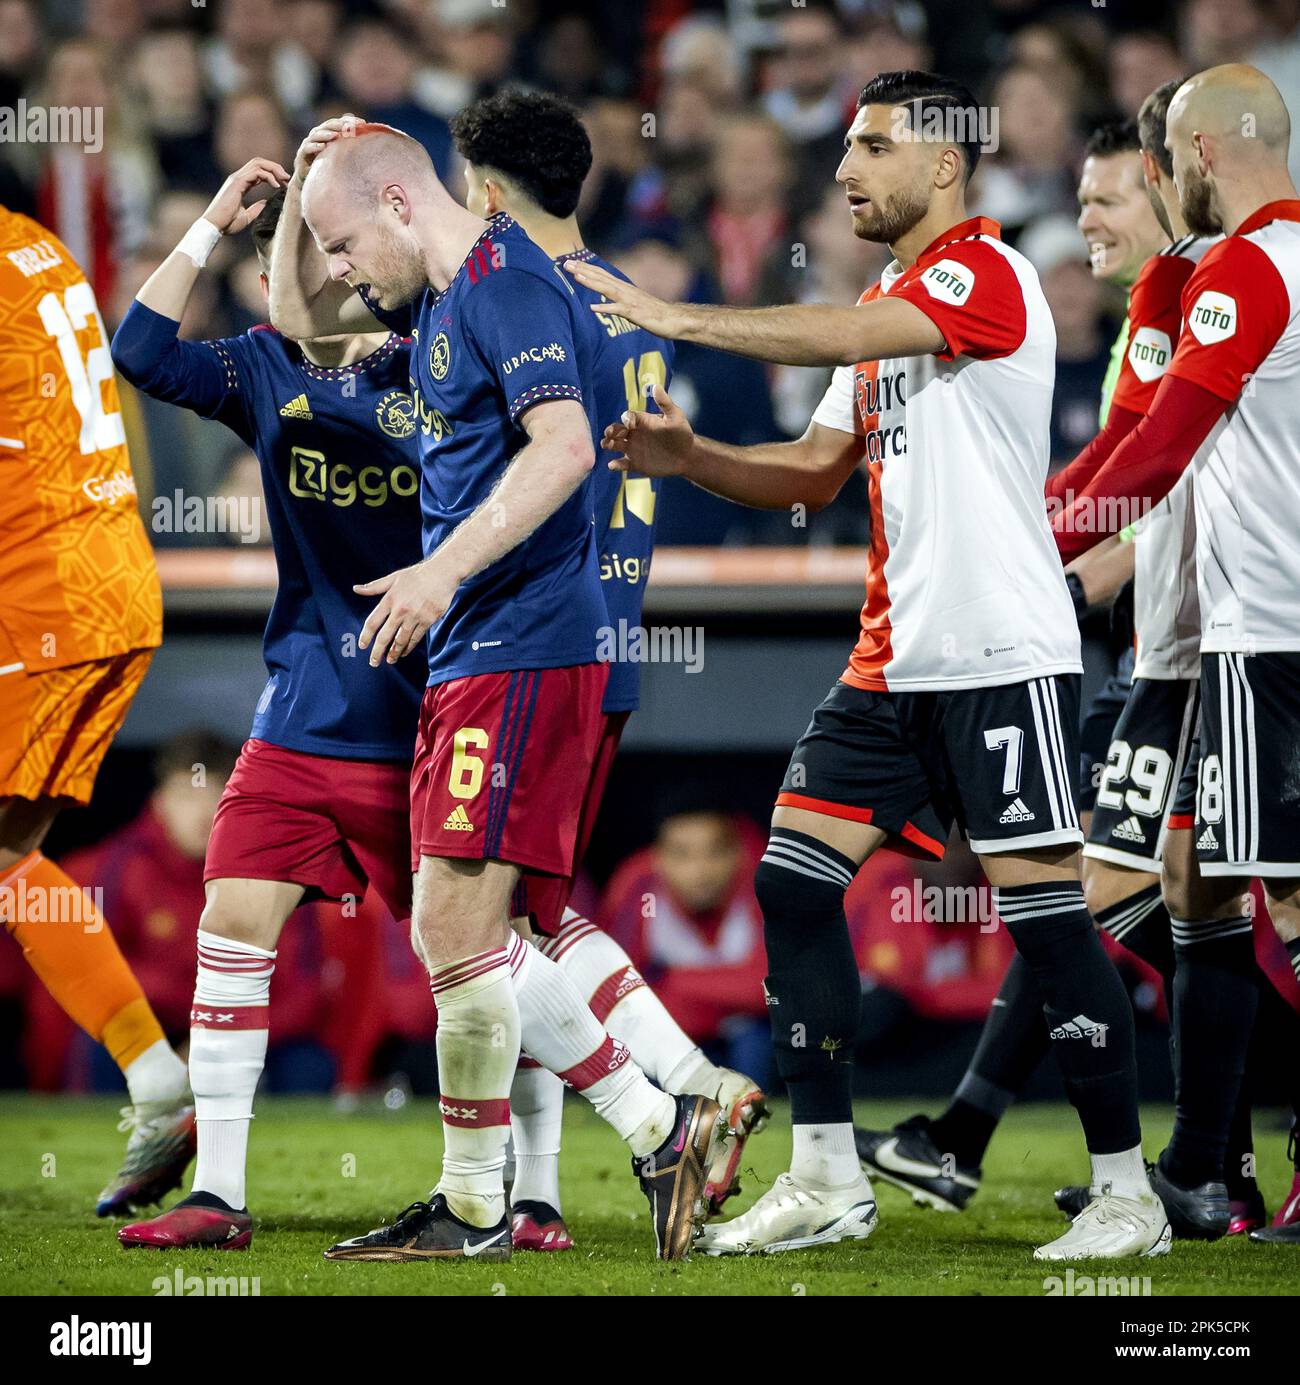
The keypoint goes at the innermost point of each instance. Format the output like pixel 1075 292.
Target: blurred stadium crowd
pixel 717 128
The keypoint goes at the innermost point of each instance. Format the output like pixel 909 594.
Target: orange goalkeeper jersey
pixel 77 575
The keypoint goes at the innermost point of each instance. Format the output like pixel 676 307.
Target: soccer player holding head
pixel 1228 406
pixel 510 727
pixel 317 806
pixel 527 154
pixel 960 701
pixel 80 619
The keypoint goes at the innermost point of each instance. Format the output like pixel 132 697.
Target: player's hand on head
pixel 259 177
pixel 318 138
pixel 651 444
pixel 411 600
pixel 625 300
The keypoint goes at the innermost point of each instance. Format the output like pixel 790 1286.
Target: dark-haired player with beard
pixel 527 155
pixel 1229 407
pixel 960 700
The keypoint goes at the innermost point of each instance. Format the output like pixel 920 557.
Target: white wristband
pixel 199 242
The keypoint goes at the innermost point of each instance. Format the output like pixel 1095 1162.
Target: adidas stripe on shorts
pixel 1000 761
pixel 1148 751
pixel 1248 779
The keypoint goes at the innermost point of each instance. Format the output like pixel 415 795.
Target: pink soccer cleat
pixel 538 1226
pixel 201 1220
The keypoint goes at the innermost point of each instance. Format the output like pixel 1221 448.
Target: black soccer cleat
pixel 1072 1199
pixel 1288 1235
pixel 428 1231
pixel 674 1175
pixel 1195 1214
pixel 908 1157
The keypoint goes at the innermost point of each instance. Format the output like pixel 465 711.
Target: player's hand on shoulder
pixel 318 137
pixel 651 444
pixel 626 300
pixel 411 600
pixel 227 211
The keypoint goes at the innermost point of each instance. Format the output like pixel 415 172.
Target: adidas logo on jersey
pixel 296 408
pixel 458 820
pixel 1080 1027
pixel 1129 831
pixel 1207 841
pixel 1017 812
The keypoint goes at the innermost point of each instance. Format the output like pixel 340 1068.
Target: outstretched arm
pixel 816 334
pixel 768 476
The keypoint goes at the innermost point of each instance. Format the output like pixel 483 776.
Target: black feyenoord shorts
pixel 1099 729
pixel 997 760
pixel 1141 774
pixel 1248 788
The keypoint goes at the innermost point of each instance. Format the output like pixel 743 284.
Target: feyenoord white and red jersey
pixel 1241 341
pixel 1166 613
pixel 964 585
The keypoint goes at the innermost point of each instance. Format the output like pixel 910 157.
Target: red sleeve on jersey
pixel 1074 477
pixel 1155 317
pixel 1234 309
pixel 973 297
pixel 1143 469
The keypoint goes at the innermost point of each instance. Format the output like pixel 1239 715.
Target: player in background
pixel 1228 402
pixel 318 804
pixel 80 619
pixel 527 154
pixel 961 698
pixel 1130 217
pixel 509 595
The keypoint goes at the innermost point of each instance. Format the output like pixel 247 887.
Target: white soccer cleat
pixel 747 1113
pixel 790 1216
pixel 1111 1227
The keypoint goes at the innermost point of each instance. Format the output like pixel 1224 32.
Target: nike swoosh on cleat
pixel 470 1250
pixel 681 1139
pixel 888 1157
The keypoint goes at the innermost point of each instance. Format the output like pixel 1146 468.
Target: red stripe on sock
pixel 613 989
pixel 526 1062
pixel 469 970
pixel 230 1018
pixel 564 942
pixel 608 1058
pixel 474 1115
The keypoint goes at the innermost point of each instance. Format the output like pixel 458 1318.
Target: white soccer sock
pixel 560 1031
pixel 824 1156
pixel 536 1117
pixel 228 1035
pixel 157 1075
pixel 478 1047
pixel 1125 1172
pixel 622 1001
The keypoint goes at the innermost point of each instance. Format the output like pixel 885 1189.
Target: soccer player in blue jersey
pixel 509 596
pixel 318 802
pixel 527 155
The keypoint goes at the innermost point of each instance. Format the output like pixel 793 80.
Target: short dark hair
pixel 1151 124
pixel 924 92
pixel 536 140
pixel 264 223
pixel 200 746
pixel 1119 136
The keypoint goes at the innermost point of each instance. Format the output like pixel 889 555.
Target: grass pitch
pixel 317 1176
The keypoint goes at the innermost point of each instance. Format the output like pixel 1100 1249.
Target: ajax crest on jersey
pixel 395 414
pixel 440 357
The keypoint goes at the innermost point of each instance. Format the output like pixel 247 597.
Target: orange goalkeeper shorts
pixel 57 725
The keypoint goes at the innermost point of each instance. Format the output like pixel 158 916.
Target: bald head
pixel 1236 106
pixel 369 198
pixel 1228 133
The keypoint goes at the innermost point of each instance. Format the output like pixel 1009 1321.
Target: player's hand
pixel 320 136
pixel 227 211
pixel 412 599
pixel 651 444
pixel 626 300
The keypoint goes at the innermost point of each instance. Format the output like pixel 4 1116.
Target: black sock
pixel 1239 1158
pixel 1141 923
pixel 1012 1044
pixel 1089 1018
pixel 814 996
pixel 1216 994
